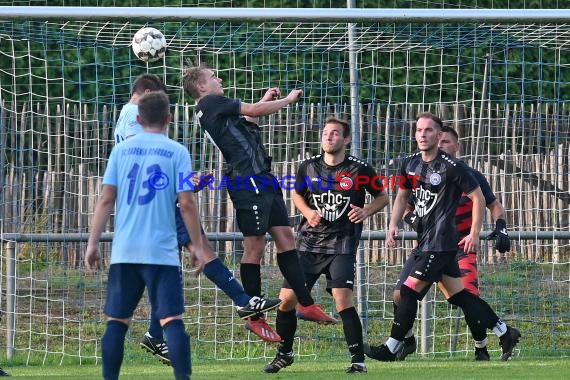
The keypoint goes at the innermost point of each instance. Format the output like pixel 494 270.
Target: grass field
pixel 424 369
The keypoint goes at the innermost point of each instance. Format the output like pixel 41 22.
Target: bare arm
pixel 103 210
pixel 267 107
pixel 313 216
pixel 190 215
pixel 400 206
pixel 497 210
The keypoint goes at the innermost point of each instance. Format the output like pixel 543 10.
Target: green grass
pixel 425 369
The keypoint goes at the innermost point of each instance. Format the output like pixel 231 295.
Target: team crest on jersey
pixel 345 183
pixel 425 200
pixel 435 179
pixel 331 205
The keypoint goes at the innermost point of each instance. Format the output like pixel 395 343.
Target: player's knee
pixel 288 299
pixel 343 302
pixel 253 249
pixel 396 297
pixel 125 321
pixel 167 320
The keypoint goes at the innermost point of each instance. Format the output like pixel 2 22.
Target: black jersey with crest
pixel 331 190
pixel 436 192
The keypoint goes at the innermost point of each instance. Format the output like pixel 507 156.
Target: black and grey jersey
pixel 436 192
pixel 331 190
pixel 238 139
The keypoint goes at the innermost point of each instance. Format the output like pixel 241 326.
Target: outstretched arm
pixel 267 107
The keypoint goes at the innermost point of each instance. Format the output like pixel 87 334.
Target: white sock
pixel 393 345
pixel 481 343
pixel 500 328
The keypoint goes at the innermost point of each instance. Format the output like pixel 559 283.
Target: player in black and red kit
pixel 253 189
pixel 467 261
pixel 435 197
pixel 330 192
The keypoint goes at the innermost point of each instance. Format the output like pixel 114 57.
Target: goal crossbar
pixel 413 15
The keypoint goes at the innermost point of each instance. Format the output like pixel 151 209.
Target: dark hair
pixel 344 123
pixel 148 82
pixel 431 116
pixel 154 108
pixel 450 130
pixel 193 75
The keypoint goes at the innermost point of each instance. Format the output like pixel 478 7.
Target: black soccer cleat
pixel 279 362
pixel 481 354
pixel 3 373
pixel 257 306
pixel 508 342
pixel 381 353
pixel 157 347
pixel 409 346
pixel 356 368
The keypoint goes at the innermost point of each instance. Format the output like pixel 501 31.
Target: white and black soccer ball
pixel 149 44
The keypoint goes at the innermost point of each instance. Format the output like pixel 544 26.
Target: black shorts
pixel 339 269
pixel 257 212
pixel 429 266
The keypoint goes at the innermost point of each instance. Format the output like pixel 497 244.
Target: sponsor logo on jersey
pixel 331 205
pixel 425 200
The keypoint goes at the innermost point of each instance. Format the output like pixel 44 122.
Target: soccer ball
pixel 149 44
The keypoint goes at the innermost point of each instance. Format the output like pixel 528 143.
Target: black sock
pixel 286 326
pixel 405 314
pixel 291 269
pixel 251 278
pixel 353 334
pixel 478 314
pixel 113 348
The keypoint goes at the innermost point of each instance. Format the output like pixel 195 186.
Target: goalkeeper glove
pixel 502 241
pixel 412 219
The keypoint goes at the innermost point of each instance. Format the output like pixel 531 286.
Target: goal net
pixel 503 86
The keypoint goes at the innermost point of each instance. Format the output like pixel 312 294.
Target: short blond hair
pixel 192 77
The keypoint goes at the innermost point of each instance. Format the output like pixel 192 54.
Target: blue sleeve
pixel 110 176
pixel 183 170
pixel 485 187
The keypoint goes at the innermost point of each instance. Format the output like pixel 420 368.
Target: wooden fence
pixel 53 159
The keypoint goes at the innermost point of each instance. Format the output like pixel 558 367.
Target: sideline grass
pixel 425 369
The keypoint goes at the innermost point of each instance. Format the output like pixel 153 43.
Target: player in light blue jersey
pixel 153 340
pixel 144 177
pixel 127 124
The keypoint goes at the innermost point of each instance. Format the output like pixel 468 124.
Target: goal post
pixel 498 76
